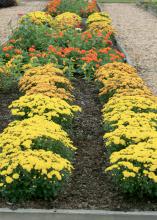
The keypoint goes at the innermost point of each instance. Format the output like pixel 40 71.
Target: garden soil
pixel 89 187
pixel 5 101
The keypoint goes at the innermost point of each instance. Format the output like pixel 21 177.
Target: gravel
pixel 137 30
pixel 9 16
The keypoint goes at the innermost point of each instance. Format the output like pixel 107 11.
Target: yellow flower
pixel 15 176
pixel 39 104
pixel 47 80
pixel 21 134
pixel 39 18
pixel 98 16
pixel 68 20
pixel 8 179
pixel 127 174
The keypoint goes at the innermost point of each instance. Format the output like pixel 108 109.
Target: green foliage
pixel 28 34
pixel 74 6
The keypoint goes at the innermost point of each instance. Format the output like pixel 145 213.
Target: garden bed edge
pixel 119 44
pixel 78 214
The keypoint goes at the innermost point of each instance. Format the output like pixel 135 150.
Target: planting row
pixel 130 124
pixel 36 151
pixel 41 57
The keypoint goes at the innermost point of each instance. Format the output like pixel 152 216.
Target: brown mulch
pixel 5 101
pixel 89 187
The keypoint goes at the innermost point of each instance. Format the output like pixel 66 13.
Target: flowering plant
pixel 99 16
pixel 10 73
pixel 38 18
pixel 36 133
pixel 68 20
pixel 32 173
pixel 47 80
pixel 54 109
pixel 80 7
pixel 130 118
pixel 101 26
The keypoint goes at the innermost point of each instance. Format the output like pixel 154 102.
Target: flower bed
pixel 44 53
pixel 130 124
pixel 41 66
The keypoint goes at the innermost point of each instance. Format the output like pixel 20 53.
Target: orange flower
pixel 17 51
pixel 97 65
pixel 52 49
pixel 105 50
pixel 91 56
pixel 7 48
pixel 38 55
pixel 53 5
pixel 86 35
pixel 114 57
pixel 61 34
pixel 92 6
pixel 12 40
pixel 31 49
pixel 68 50
pixel 31 55
pixel 120 54
pixel 44 55
pixel 99 34
pixel 108 36
pixel 7 55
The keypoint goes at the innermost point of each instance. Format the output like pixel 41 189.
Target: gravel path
pixel 137 30
pixel 9 16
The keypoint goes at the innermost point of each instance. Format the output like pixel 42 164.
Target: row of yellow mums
pixel 130 123
pixel 36 151
pixel 98 21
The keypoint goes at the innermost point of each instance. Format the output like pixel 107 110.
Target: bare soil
pixel 5 101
